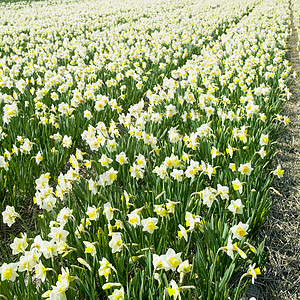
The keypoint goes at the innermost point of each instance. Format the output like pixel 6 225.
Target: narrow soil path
pixel 281 277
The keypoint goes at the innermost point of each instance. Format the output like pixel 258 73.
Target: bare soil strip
pixel 281 277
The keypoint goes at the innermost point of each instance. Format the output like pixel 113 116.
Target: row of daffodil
pixel 81 63
pixel 163 198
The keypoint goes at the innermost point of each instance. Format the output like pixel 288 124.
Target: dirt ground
pixel 280 278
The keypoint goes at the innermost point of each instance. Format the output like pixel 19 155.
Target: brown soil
pixel 281 277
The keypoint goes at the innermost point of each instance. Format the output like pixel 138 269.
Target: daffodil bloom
pixel 185 267
pixel 117 295
pixel 89 248
pixel 262 117
pixel 170 110
pixel 49 249
pixel 47 294
pixel 174 290
pixel 223 191
pixel 191 171
pixel 134 218
pixel 189 220
pixel 279 172
pixel 182 232
pixel 116 243
pixel 170 205
pixel 105 268
pixel 160 210
pixel 172 260
pixel 9 215
pixel 58 234
pixel 58 291
pixel 149 224
pixel 88 163
pixel 108 211
pixel 9 271
pixel 240 230
pixel 41 271
pixel 233 247
pixel 121 158
pixel 111 176
pixel 111 145
pixel 93 212
pixel 4 164
pixel 19 245
pixel 87 114
pixel 48 203
pixel 105 161
pixel 264 139
pixel 161 171
pixel 245 169
pixel 79 154
pixel 230 150
pixel 177 174
pixel 253 272
pixel 208 195
pixel 186 157
pixel 262 153
pixel 42 182
pixel 214 152
pixel 286 120
pixel 37 242
pixel 64 215
pixel 158 261
pixel 169 162
pixel 74 162
pixel 39 157
pixel 28 260
pixel 67 141
pixel 232 167
pixel 237 186
pixel 127 198
pixel 92 186
pixel 64 278
pixel 236 206
pixel 141 161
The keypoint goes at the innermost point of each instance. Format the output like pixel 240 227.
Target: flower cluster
pixel 144 135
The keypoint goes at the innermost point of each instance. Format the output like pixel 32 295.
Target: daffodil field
pixel 143 133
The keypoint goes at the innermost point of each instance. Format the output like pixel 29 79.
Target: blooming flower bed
pixel 144 136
